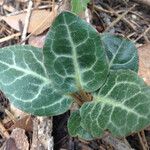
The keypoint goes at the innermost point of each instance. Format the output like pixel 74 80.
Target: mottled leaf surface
pixel 75 129
pixel 74 56
pixel 24 80
pixel 121 52
pixel 78 6
pixel 121 107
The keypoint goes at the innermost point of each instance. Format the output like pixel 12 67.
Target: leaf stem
pixel 84 96
pixel 77 99
pixel 81 97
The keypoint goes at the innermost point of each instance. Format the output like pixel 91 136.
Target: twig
pixel 8 8
pixel 119 18
pixel 146 2
pixel 143 34
pixel 113 12
pixel 41 24
pixel 25 10
pixel 146 38
pixel 27 19
pixel 136 13
pixel 99 8
pixel 10 115
pixel 10 37
pixel 141 142
pixel 3 131
pixel 131 34
pixel 144 139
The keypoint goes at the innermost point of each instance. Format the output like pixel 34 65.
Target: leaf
pixel 73 55
pixel 40 20
pixel 121 107
pixel 75 129
pixel 121 52
pixel 78 6
pixel 24 80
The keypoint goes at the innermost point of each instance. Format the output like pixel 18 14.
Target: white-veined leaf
pixel 121 52
pixel 75 129
pixel 121 107
pixel 24 80
pixel 74 56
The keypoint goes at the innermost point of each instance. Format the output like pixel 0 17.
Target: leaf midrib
pixel 114 56
pixel 76 65
pixel 111 102
pixel 29 72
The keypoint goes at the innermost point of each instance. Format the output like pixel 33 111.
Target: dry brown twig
pixel 136 13
pixel 146 2
pixel 10 37
pixel 27 19
pixel 113 12
pixel 8 8
pixel 143 34
pixel 3 131
pixel 53 15
pixel 10 115
pixel 25 10
pixel 143 140
pixel 131 34
pixel 100 9
pixel 119 18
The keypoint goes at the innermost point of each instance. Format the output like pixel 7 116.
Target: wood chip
pixel 10 144
pixel 116 143
pixel 3 132
pixel 144 62
pixel 20 139
pixel 44 133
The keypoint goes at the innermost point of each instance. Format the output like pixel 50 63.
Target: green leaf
pixel 75 129
pixel 121 52
pixel 73 55
pixel 121 107
pixel 24 80
pixel 79 6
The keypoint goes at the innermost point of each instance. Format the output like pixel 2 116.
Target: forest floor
pixel 27 22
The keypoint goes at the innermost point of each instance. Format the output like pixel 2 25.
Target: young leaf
pixel 121 107
pixel 78 6
pixel 24 80
pixel 74 56
pixel 121 52
pixel 75 129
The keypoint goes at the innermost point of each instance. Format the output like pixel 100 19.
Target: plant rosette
pixel 77 64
